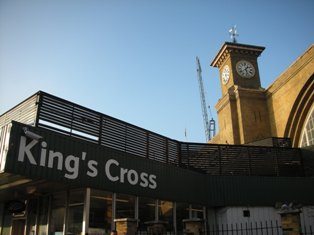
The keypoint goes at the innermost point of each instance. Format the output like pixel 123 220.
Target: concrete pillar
pixel 1 216
pixel 194 226
pixel 290 222
pixel 156 227
pixel 126 226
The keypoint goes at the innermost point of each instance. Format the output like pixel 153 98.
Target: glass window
pixel 165 213
pixel 75 212
pixel 307 138
pixel 43 215
pixel 182 212
pixel 57 213
pixel 125 206
pixel 100 215
pixel 146 211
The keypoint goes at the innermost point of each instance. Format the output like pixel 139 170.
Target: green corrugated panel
pixel 173 183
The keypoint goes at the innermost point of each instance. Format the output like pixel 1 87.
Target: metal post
pixel 179 153
pixel 219 156
pixel 166 150
pixel 136 207
pixel 156 209
pixel 301 161
pixel 113 225
pixel 65 225
pixel 37 215
pixel 2 214
pixel 72 117
pixel 100 129
pixel 49 213
pixel 38 102
pixel 175 217
pixel 188 150
pixel 276 160
pixel 147 144
pixel 85 225
pixel 250 162
pixel 205 219
pixel 125 136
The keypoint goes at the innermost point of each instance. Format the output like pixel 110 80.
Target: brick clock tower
pixel 242 110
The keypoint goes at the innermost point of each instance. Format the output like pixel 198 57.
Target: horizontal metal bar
pixel 75 120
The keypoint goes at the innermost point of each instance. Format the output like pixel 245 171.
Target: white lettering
pixel 122 174
pixel 71 169
pixel 25 149
pixel 132 177
pixel 43 154
pixel 152 181
pixel 144 181
pixel 54 159
pixel 55 155
pixel 92 172
pixel 107 170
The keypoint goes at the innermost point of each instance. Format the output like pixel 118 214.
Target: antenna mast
pixel 203 102
pixel 233 34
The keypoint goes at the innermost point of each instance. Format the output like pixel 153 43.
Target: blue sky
pixel 135 59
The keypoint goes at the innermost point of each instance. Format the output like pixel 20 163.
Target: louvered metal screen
pixel 74 120
pixel 25 112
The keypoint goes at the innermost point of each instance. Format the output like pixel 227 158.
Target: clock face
pixel 245 69
pixel 225 75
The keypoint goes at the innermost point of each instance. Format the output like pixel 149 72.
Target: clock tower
pixel 242 109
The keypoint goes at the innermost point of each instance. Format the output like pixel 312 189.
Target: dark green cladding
pixel 173 183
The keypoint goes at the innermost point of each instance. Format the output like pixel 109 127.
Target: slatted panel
pixel 263 161
pixel 24 112
pixel 80 122
pixel 4 145
pixel 241 160
pixel 71 119
pixel 113 134
pixel 136 141
pixel 273 142
pixel 235 161
pixel 289 163
pixel 157 148
pixel 173 155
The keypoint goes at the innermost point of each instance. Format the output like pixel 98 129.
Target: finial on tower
pixel 233 34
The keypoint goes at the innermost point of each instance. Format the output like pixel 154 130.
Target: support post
pixel 126 226
pixel 290 222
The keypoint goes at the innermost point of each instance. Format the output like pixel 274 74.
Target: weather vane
pixel 233 34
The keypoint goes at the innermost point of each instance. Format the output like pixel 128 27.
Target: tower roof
pixel 229 47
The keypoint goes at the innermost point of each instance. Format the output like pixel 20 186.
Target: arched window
pixel 307 136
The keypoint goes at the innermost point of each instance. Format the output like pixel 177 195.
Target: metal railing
pixel 151 233
pixel 255 228
pixel 248 228
pixel 68 118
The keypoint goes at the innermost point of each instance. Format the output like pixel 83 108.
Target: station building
pixel 67 169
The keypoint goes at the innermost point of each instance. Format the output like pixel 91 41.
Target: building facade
pixel 66 169
pixel 248 113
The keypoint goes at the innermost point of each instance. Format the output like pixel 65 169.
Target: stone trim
pixel 291 71
pixel 237 48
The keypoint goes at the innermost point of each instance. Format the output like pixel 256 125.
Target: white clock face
pixel 225 75
pixel 245 69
